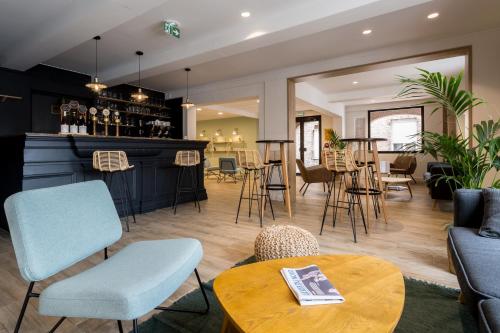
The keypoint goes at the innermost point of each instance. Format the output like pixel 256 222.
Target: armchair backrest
pixel 468 208
pixel 405 162
pixel 227 164
pixel 302 169
pixel 54 228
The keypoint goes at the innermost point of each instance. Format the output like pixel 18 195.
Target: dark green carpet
pixel 428 308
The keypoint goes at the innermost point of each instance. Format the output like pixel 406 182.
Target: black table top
pixel 274 141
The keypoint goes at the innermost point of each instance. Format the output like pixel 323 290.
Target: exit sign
pixel 172 28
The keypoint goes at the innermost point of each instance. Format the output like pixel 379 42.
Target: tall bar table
pixel 285 187
pixel 363 148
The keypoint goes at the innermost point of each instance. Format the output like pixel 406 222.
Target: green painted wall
pixel 248 129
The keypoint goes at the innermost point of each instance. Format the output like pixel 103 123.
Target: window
pixel 399 126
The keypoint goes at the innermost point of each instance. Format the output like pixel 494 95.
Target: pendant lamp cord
pixel 187 86
pixel 96 57
pixel 139 71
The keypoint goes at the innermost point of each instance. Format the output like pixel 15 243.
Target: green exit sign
pixel 172 28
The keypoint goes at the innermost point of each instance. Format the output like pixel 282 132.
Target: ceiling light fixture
pixel 245 14
pixel 139 96
pixel 95 85
pixel 220 113
pixel 367 32
pixel 187 103
pixel 258 101
pixel 433 15
pixel 355 82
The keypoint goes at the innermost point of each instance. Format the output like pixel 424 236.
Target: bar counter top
pixel 37 160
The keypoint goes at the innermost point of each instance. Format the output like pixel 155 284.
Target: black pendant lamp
pixel 95 85
pixel 187 103
pixel 139 96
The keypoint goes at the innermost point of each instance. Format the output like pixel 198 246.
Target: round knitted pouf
pixel 284 241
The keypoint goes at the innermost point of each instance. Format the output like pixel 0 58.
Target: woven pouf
pixel 284 241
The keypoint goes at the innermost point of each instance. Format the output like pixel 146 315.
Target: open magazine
pixel 310 286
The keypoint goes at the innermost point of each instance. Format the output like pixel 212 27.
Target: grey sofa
pixel 476 260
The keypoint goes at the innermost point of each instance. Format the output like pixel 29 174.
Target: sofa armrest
pixel 468 208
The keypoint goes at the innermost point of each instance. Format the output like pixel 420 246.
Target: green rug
pixel 428 308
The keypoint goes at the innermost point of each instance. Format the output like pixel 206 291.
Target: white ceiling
pixel 213 43
pixel 244 108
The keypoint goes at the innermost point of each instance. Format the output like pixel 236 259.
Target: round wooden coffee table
pixel 255 297
pixel 399 181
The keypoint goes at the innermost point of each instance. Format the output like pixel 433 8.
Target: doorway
pixel 308 140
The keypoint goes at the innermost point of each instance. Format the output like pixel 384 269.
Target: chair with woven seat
pixel 54 228
pixel 187 161
pixel 114 162
pixel 404 165
pixel 343 163
pixel 312 175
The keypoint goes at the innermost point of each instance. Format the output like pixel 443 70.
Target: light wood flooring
pixel 414 239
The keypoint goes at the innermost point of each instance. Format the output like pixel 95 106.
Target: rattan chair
pixel 253 174
pixel 342 163
pixel 187 160
pixel 109 163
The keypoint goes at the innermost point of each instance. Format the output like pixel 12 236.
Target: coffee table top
pixel 255 297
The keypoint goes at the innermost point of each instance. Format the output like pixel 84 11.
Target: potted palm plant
pixel 471 157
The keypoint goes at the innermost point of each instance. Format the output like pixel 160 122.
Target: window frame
pixel 421 107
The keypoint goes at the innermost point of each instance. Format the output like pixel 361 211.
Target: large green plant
pixel 470 160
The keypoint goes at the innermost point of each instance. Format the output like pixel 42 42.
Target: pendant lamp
pixel 139 96
pixel 187 103
pixel 95 85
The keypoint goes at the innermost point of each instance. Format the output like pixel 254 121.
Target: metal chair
pixel 227 168
pixel 209 169
pixel 110 163
pixel 187 160
pixel 342 162
pixel 253 173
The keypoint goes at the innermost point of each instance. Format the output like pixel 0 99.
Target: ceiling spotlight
pixel 220 113
pixel 258 101
pixel 199 109
pixel 433 16
pixel 245 14
pixel 367 32
pixel 355 82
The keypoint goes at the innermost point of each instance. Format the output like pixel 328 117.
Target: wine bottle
pixel 73 127
pixel 64 123
pixel 141 128
pixel 82 126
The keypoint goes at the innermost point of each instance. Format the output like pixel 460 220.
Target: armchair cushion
pixel 489 316
pixel 491 219
pixel 127 285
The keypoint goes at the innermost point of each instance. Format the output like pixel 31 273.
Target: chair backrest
pixel 227 164
pixel 404 162
pixel 54 228
pixel 187 157
pixel 339 160
pixel 110 161
pixel 249 159
pixel 302 169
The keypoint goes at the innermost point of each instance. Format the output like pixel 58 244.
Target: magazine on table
pixel 310 286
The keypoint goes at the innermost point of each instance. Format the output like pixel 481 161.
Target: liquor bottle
pixel 141 128
pixel 82 126
pixel 73 127
pixel 64 123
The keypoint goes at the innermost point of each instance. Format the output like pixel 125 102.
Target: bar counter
pixel 37 160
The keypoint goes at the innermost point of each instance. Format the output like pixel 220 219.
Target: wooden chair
pixel 404 165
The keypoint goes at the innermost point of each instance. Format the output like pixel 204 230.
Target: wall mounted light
pixel 218 132
pixel 203 133
pixel 236 132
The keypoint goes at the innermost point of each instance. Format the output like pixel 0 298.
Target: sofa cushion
pixel 489 316
pixel 491 218
pixel 477 262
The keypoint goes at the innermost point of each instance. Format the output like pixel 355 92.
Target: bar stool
pixel 109 163
pixel 187 160
pixel 253 173
pixel 342 162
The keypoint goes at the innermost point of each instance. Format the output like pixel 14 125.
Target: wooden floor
pixel 414 239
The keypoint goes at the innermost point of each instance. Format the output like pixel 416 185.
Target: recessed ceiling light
pixel 355 82
pixel 199 109
pixel 255 34
pixel 433 16
pixel 258 101
pixel 245 14
pixel 367 32
pixel 220 113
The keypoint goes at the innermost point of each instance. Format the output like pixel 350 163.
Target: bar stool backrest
pixel 110 161
pixel 339 160
pixel 187 158
pixel 249 159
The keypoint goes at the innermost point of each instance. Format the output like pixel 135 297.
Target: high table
pixel 284 187
pixel 363 149
pixel 255 298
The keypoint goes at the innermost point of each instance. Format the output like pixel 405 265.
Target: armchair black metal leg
pixel 135 326
pixel 59 322
pixel 205 297
pixel 305 190
pixel 25 304
pixel 302 187
pixel 120 327
pixel 413 178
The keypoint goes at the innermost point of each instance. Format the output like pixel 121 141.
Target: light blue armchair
pixel 56 227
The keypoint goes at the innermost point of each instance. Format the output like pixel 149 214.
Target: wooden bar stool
pixel 187 160
pixel 253 174
pixel 342 162
pixel 110 163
